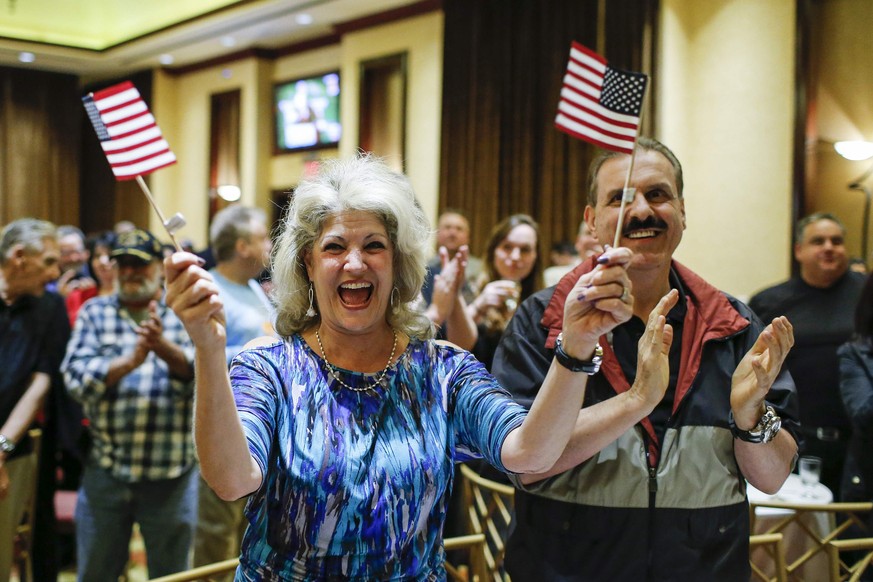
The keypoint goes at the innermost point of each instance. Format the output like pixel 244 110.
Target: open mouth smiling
pixel 355 294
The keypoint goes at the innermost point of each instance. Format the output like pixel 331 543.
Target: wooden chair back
pixel 772 545
pixel 841 517
pixel 202 572
pixel 489 508
pixel 473 570
pixel 851 570
pixel 22 555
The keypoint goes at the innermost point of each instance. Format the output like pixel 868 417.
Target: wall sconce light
pixel 858 150
pixel 855 150
pixel 229 192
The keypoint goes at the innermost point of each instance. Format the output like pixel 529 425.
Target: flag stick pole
pixel 620 225
pixel 154 204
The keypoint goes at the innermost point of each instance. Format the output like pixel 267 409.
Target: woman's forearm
pixel 225 461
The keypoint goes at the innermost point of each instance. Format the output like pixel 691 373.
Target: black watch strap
pixel 590 367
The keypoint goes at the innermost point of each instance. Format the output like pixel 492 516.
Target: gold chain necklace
pixel 333 369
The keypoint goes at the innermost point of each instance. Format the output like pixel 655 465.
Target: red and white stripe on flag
pixel 128 133
pixel 600 104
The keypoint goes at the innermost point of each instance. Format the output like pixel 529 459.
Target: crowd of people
pixel 313 430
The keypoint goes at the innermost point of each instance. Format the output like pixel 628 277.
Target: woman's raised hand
pixel 193 296
pixel 601 300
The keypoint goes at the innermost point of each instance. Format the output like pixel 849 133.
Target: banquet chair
pixel 862 555
pixel 841 517
pixel 772 545
pixel 474 569
pixel 489 507
pixel 23 544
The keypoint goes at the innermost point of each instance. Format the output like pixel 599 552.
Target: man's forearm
pixel 27 407
pixel 767 465
pixel 596 427
pixel 176 360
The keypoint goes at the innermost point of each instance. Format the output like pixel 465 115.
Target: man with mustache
pixel 820 301
pixel 652 484
pixel 130 364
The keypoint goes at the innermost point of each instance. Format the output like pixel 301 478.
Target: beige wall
pixel 182 105
pixel 725 106
pixel 422 38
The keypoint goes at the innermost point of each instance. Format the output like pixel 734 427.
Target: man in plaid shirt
pixel 130 364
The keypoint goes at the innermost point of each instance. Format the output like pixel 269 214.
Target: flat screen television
pixel 306 113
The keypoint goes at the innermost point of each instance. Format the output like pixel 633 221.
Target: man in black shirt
pixel 34 330
pixel 820 302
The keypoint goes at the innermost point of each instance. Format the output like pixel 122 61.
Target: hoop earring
pixel 311 311
pixel 395 303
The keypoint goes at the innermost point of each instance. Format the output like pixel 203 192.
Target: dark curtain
pixel 504 62
pixel 39 146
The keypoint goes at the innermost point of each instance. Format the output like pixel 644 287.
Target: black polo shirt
pixel 625 343
pixel 33 337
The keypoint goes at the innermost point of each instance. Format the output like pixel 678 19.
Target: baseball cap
pixel 138 243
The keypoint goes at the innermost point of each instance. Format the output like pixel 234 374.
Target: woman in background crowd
pixel 100 267
pixel 513 272
pixel 856 388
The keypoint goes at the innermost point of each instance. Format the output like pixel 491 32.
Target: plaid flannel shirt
pixel 140 428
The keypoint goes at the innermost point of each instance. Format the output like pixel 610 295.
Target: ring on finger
pixel 624 294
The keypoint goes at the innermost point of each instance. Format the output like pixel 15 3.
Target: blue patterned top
pixel 356 483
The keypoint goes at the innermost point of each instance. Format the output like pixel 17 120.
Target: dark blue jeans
pixel 166 511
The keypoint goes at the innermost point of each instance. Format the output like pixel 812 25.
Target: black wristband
pixel 590 367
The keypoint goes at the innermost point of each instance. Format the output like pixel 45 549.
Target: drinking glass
pixel 810 473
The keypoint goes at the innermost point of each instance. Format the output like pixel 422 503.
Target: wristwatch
pixel 763 432
pixel 6 446
pixel 590 367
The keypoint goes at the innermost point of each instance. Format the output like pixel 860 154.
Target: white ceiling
pixel 249 23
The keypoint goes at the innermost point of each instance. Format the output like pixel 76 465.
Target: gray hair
pixel 643 144
pixel 69 229
pixel 363 183
pixel 228 226
pixel 815 217
pixel 29 232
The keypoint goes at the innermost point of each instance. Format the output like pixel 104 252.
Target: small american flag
pixel 130 138
pixel 600 104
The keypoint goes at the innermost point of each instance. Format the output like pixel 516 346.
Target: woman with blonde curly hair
pixel 345 432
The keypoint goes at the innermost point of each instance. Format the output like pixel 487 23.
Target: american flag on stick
pixel 128 133
pixel 132 141
pixel 600 104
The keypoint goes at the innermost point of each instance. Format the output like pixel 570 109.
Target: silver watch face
pixel 769 425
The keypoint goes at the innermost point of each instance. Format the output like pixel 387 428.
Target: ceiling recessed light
pixel 303 19
pixel 166 59
pixel 26 57
pixel 227 41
